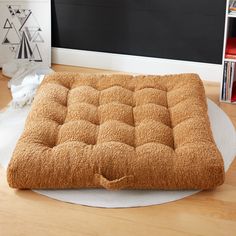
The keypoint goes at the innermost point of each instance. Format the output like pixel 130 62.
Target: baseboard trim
pixel 135 64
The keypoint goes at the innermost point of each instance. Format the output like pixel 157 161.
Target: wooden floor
pixel 206 213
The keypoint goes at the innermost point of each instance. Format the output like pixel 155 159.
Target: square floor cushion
pixel 117 131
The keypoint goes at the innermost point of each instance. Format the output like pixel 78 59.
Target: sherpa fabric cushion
pixel 117 131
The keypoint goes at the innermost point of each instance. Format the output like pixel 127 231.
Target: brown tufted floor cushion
pixel 117 131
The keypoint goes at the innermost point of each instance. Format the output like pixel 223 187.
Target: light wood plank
pixel 5 95
pixel 206 213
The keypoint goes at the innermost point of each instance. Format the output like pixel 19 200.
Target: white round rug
pixel 12 124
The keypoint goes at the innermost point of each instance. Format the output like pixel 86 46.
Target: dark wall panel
pixel 184 30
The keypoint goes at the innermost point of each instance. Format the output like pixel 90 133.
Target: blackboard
pixel 191 30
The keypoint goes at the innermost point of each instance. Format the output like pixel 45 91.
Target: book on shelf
pixel 230 56
pixel 223 83
pixel 232 71
pixel 231 46
pixel 228 92
pixel 232 12
pixel 233 96
pixel 232 6
pixel 227 80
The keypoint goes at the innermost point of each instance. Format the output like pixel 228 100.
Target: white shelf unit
pixel 230 60
pixel 228 16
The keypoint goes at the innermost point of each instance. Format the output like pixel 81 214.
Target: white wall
pixel 135 64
